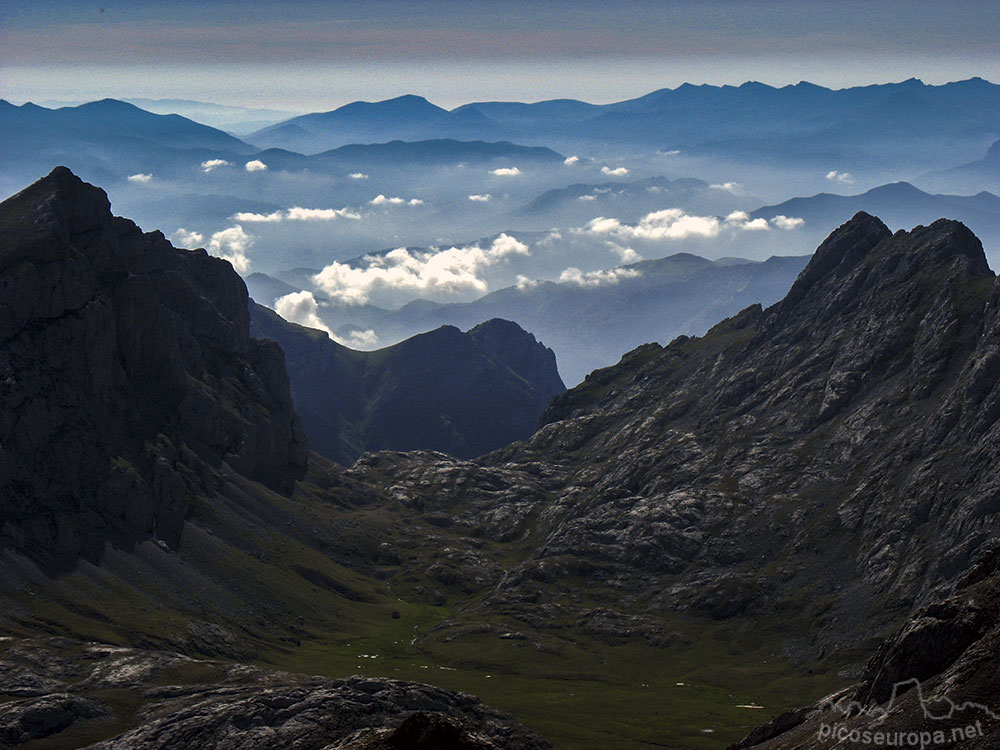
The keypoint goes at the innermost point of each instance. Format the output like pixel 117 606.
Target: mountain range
pixel 589 322
pixel 801 499
pixel 804 122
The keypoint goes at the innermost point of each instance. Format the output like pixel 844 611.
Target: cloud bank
pixel 140 178
pixel 845 178
pixel 616 172
pixel 297 213
pixel 381 200
pixel 213 164
pixel 455 270
pixel 506 171
pixel 608 277
pixel 255 165
pixel 676 224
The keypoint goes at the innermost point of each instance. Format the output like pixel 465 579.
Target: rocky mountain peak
pixel 839 253
pixel 129 378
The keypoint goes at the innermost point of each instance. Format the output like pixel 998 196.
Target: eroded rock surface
pixel 170 701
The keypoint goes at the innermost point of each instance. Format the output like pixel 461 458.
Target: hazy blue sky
pixel 316 55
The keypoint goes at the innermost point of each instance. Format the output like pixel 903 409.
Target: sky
pixel 309 56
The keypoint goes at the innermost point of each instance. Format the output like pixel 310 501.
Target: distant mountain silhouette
pixel 106 140
pixel 461 393
pixel 900 204
pixel 882 125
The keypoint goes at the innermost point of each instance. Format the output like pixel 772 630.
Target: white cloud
pixel 671 152
pixel 358 176
pixel 671 223
pixel 731 187
pixel 787 222
pixel 140 178
pixel 485 197
pixel 184 238
pixel 358 339
pixel 844 177
pixel 616 172
pixel 301 308
pixel 381 200
pixel 232 244
pixel 255 165
pixel 607 277
pixel 297 213
pixel 742 220
pixel 571 160
pixel 627 254
pixel 272 217
pixel 211 164
pixel 587 198
pixel 454 270
pixel 524 283
pixel 506 171
pixel 675 224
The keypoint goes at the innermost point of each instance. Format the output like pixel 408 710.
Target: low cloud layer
pixel 787 222
pixel 729 187
pixel 616 172
pixel 229 244
pixel 606 277
pixel 677 224
pixel 455 270
pixel 358 176
pixel 381 200
pixel 483 198
pixel 213 164
pixel 255 165
pixel 845 178
pixel 506 171
pixel 298 213
pixel 571 160
pixel 302 308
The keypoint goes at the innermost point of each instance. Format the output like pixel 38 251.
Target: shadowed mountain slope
pixel 461 393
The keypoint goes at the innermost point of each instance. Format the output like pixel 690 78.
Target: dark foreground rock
pixel 85 694
pixel 936 680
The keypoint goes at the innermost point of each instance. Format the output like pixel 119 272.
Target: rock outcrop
pixel 128 375
pixel 445 390
pixel 111 698
pixel 936 678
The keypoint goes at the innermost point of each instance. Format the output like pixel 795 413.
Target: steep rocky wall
pixel 128 373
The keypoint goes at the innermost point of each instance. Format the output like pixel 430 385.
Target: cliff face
pixel 128 376
pixel 445 390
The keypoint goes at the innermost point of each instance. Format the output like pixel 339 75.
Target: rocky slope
pixel 83 691
pixel 827 461
pixel 936 677
pixel 460 393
